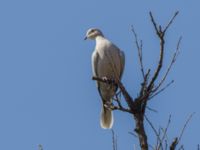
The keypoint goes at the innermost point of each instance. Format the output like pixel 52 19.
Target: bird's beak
pixel 85 38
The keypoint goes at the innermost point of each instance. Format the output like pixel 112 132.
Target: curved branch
pixel 176 53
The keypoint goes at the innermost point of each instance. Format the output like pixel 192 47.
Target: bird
pixel 108 62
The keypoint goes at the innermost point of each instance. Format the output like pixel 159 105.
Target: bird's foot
pixel 109 105
pixel 105 79
pixel 108 80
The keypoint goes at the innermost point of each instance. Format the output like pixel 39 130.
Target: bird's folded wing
pixel 95 59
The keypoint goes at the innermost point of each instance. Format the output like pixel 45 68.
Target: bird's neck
pixel 99 38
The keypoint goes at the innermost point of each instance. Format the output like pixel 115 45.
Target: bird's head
pixel 92 33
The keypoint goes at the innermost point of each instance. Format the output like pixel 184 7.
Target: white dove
pixel 107 62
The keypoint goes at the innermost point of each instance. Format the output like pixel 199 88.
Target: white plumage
pixel 107 61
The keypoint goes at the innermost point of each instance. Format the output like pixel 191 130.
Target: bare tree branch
pixel 114 140
pixel 154 129
pixel 139 48
pixel 157 140
pixel 184 127
pixel 165 132
pixel 162 43
pixel 171 64
pixel 176 13
pixel 154 23
pixel 132 133
pixel 120 107
pixel 178 139
pixel 151 109
pixel 161 90
pixel 160 34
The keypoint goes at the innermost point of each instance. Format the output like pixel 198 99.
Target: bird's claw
pixel 108 81
pixel 109 106
pixel 105 79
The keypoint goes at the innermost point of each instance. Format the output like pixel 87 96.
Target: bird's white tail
pixel 106 118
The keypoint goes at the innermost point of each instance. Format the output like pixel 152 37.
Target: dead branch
pixel 114 140
pixel 139 49
pixel 166 145
pixel 132 133
pixel 171 64
pixel 120 107
pixel 156 133
pixel 178 139
pixel 161 90
pixel 160 35
pixel 164 133
pixel 184 127
pixel 157 140
pixel 151 109
pixel 171 21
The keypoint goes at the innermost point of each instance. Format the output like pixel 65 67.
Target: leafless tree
pixel 151 86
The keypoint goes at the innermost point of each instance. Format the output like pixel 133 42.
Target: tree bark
pixel 139 129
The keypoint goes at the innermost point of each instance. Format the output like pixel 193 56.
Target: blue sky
pixel 46 93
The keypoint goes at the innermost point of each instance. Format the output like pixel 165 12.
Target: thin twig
pixel 176 13
pixel 157 140
pixel 165 131
pixel 131 133
pixel 151 109
pixel 161 90
pixel 139 48
pixel 154 129
pixel 114 140
pixel 166 145
pixel 144 84
pixel 120 107
pixel 176 53
pixel 178 139
pixel 154 23
pixel 166 138
pixel 185 125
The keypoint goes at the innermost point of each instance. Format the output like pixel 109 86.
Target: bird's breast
pixel 108 65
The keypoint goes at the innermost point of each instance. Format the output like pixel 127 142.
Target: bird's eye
pixel 92 30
